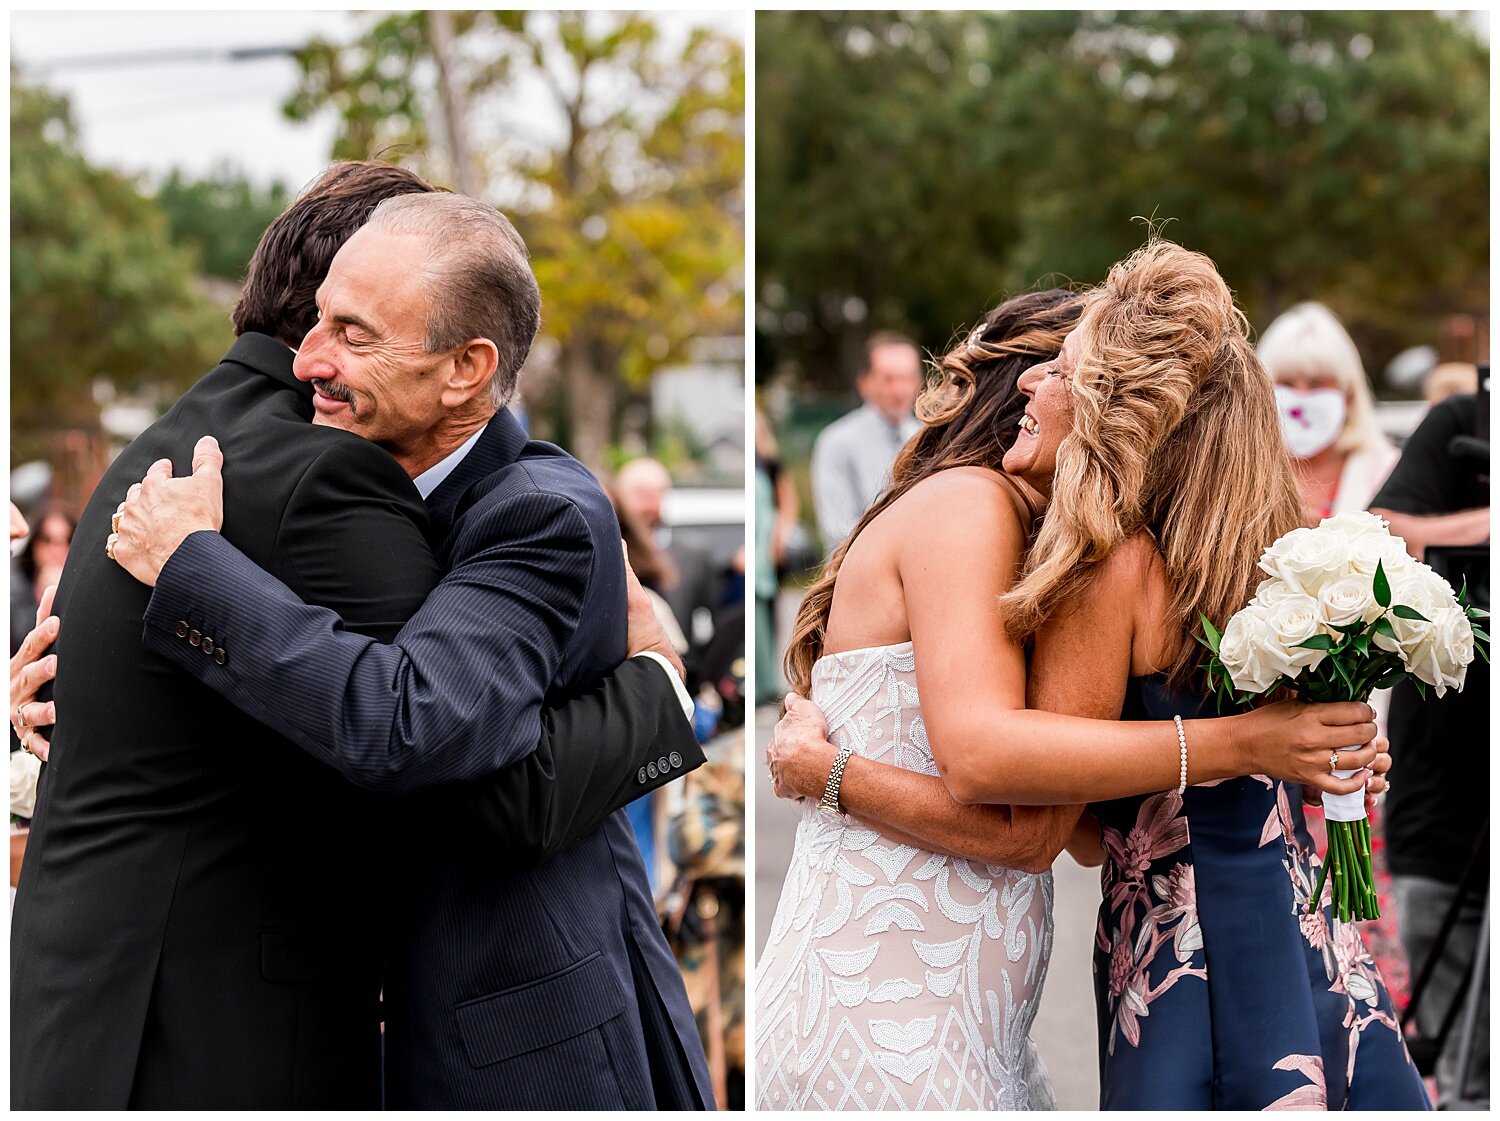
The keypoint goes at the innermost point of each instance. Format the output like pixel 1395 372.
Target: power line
pixel 157 57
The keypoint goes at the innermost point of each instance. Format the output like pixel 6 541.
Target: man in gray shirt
pixel 852 457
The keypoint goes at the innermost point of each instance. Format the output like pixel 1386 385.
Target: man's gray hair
pixel 478 277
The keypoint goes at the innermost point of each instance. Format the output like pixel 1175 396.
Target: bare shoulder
pixel 964 501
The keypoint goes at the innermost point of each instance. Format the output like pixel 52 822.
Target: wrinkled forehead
pixel 378 277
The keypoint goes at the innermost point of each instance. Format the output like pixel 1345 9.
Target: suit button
pixel 208 645
pixel 661 764
pixel 640 776
pixel 651 769
pixel 676 760
pixel 182 628
pixel 220 656
pixel 195 637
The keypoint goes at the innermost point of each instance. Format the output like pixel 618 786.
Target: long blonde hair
pixel 969 413
pixel 1174 430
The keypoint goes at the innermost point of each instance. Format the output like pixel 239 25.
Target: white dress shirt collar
pixel 429 480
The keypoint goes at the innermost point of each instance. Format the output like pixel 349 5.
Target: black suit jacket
pixel 198 917
pixel 550 987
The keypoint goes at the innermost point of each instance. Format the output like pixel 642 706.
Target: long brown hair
pixel 969 413
pixel 1174 430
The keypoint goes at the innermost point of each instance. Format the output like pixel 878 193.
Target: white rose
pixel 1379 549
pixel 1425 592
pixel 1356 524
pixel 24 769
pixel 1348 600
pixel 1292 620
pixel 1272 590
pixel 1307 558
pixel 1243 648
pixel 1441 650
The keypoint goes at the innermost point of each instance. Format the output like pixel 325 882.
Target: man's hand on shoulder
pixel 159 512
pixel 644 632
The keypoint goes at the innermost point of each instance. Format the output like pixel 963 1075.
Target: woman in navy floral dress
pixel 1215 987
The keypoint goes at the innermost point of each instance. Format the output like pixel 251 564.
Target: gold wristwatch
pixel 830 802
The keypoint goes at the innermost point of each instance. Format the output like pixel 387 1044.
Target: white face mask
pixel 1311 419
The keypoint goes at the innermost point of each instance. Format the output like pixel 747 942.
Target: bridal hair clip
pixel 1182 745
pixel 975 336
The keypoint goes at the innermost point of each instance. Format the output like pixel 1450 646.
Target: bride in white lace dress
pixel 903 973
pixel 896 977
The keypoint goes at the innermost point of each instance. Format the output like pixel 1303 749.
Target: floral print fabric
pixel 1215 988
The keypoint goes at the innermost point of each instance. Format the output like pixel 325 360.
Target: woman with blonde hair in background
pixel 1327 411
pixel 911 938
pixel 1341 458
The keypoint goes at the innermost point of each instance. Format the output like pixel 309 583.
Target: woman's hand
pixel 1376 782
pixel 1295 741
pixel 799 753
pixel 29 671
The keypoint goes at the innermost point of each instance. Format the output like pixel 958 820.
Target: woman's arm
pixel 913 808
pixel 990 748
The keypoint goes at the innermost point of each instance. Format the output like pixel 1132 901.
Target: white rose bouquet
pixel 1344 611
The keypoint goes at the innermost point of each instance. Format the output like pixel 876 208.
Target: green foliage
pixel 633 209
pixel 98 290
pixel 222 217
pixel 923 165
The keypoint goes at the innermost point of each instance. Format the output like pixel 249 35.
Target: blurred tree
pixel 97 289
pixel 222 216
pixel 919 166
pixel 619 157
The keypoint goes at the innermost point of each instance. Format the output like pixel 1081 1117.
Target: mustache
pixel 335 391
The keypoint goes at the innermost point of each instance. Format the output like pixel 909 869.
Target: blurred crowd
pixel 1431 834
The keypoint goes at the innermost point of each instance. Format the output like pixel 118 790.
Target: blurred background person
pixel 1341 457
pixel 1327 411
pixel 776 510
pixel 38 565
pixel 852 457
pixel 704 914
pixel 1437 827
pixel 1447 379
pixel 690 579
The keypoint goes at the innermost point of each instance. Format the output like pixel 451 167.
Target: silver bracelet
pixel 1182 744
pixel 830 801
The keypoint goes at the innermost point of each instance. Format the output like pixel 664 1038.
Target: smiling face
pixel 366 357
pixel 1047 420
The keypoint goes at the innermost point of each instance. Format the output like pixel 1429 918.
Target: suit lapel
pixel 498 446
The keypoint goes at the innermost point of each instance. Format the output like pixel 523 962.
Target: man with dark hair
pixel 852 457
pixel 204 912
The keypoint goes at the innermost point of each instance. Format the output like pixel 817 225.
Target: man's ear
pixel 474 365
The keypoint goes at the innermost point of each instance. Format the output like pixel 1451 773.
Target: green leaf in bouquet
pixel 1476 613
pixel 1383 626
pixel 1214 636
pixel 1316 642
pixel 1421 687
pixel 1382 585
pixel 1463 590
pixel 1401 611
pixel 1343 672
pixel 1479 634
pixel 1482 652
pixel 1361 644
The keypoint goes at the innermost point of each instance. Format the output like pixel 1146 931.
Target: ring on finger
pixel 1333 761
pixel 20 720
pixel 109 545
pixel 26 741
pixel 114 521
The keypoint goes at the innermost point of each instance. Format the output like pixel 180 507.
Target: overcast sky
pixel 196 113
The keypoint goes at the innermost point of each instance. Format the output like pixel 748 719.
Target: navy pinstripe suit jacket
pixel 546 987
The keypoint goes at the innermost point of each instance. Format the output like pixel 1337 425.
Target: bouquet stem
pixel 1353 898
